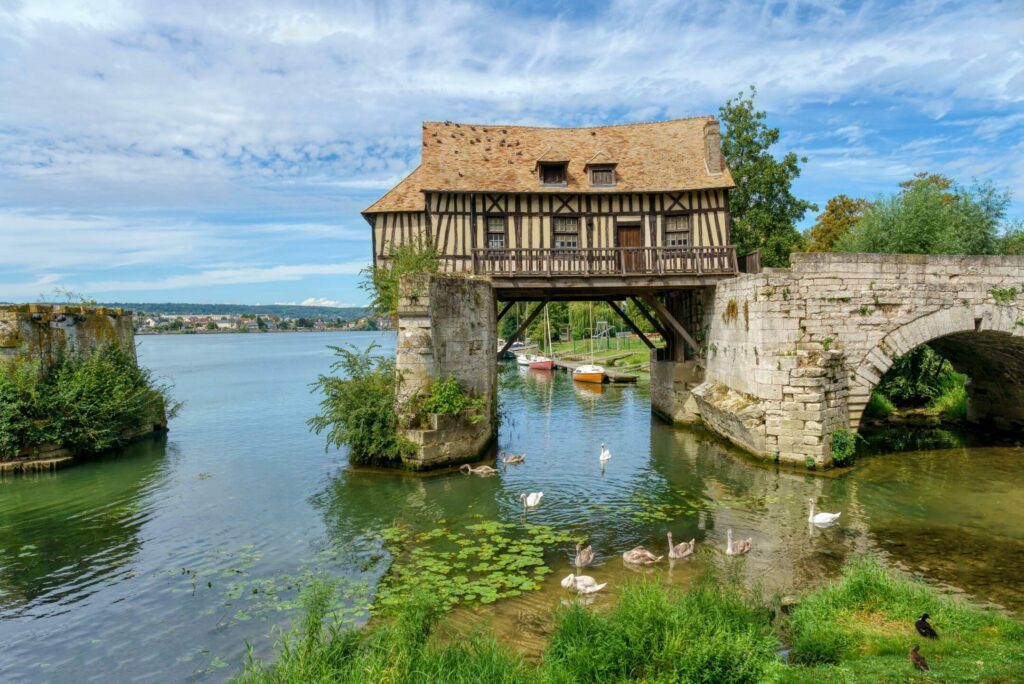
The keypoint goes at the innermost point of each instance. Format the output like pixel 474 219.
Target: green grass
pixel 860 628
pixel 857 629
pixel 952 403
pixel 879 406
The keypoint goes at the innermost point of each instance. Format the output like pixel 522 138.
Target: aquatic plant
pixel 480 563
pixel 358 407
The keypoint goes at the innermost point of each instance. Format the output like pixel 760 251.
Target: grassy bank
pixel 858 629
pixel 85 403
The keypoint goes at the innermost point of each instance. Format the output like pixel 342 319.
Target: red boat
pixel 542 363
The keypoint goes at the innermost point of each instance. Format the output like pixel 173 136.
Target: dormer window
pixel 553 173
pixel 602 175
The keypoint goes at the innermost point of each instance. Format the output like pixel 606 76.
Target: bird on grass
pixel 584 557
pixel 605 454
pixel 738 547
pixel 582 584
pixel 640 556
pixel 680 550
pixel 918 660
pixel 531 500
pixel 924 629
pixel 821 518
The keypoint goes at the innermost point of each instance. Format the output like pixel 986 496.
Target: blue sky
pixel 221 151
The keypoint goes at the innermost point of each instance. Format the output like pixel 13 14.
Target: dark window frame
pixel 601 167
pixel 542 166
pixel 488 232
pixel 689 229
pixel 555 233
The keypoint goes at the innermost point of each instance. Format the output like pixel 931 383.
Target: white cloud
pixel 320 301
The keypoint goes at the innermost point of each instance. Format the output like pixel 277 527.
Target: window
pixel 495 232
pixel 552 173
pixel 677 231
pixel 602 175
pixel 567 231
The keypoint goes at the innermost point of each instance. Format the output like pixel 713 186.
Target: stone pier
pixel 447 329
pixel 791 355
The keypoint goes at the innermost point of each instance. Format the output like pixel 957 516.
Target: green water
pixel 163 561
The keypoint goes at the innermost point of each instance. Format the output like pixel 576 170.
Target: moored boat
pixel 524 359
pixel 589 373
pixel 542 363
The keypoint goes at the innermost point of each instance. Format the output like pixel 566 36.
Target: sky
pixel 221 151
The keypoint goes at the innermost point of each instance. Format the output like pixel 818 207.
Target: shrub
pixel 381 282
pixel 844 446
pixel 358 408
pixel 88 403
pixel 447 398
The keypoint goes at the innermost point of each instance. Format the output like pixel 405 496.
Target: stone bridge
pixel 791 355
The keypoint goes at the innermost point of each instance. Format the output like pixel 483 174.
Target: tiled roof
pixel 649 157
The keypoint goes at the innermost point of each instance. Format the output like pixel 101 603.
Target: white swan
pixel 582 584
pixel 821 518
pixel 680 550
pixel 605 454
pixel 739 547
pixel 531 500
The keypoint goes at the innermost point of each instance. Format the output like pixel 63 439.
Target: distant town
pixel 157 324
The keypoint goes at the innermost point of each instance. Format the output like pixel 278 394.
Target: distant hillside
pixel 285 310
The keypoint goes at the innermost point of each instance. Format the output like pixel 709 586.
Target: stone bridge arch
pixel 791 355
pixel 985 342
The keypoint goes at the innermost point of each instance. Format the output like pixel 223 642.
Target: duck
pixel 479 470
pixel 605 454
pixel 584 557
pixel 531 500
pixel 582 584
pixel 513 458
pixel 738 547
pixel 918 660
pixel 640 556
pixel 924 629
pixel 675 552
pixel 821 518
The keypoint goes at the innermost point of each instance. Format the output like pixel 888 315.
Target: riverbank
pixel 857 629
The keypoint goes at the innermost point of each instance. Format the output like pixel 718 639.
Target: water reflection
pixel 57 541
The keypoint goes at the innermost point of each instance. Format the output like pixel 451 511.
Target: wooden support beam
pixel 524 326
pixel 668 319
pixel 631 324
pixel 501 314
pixel 651 319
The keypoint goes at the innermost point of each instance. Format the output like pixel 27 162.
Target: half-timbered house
pixel 567 213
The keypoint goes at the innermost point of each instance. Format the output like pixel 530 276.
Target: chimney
pixel 713 148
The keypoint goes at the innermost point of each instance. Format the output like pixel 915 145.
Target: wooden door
pixel 630 235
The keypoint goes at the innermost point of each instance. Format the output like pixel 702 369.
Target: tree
pixel 210 325
pixel 763 208
pixel 841 213
pixel 932 215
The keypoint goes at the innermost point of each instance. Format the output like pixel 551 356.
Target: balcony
pixel 552 272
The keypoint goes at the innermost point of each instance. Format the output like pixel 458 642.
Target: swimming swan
pixel 584 557
pixel 479 470
pixel 531 500
pixel 680 550
pixel 605 454
pixel 738 547
pixel 640 556
pixel 821 518
pixel 582 584
pixel 513 459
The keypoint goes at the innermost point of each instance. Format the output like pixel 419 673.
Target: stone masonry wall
pixel 793 354
pixel 45 331
pixel 447 328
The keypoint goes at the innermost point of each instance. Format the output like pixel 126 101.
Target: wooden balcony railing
pixel 605 261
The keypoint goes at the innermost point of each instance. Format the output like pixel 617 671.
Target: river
pixel 162 562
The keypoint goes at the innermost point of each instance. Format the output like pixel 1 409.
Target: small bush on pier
pixel 358 408
pixel 87 403
pixel 381 282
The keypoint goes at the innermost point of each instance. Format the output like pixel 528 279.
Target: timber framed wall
pixel 455 223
